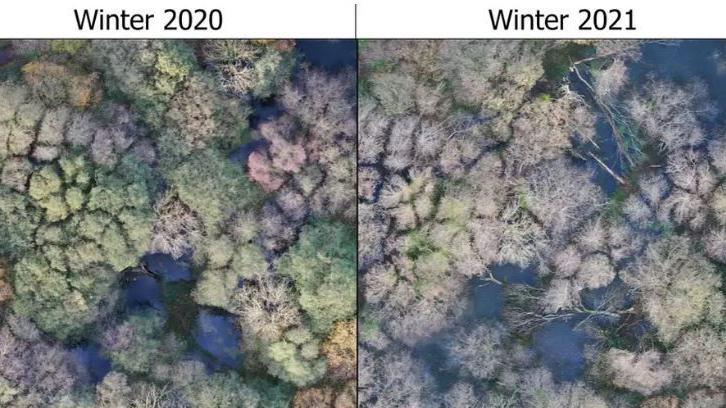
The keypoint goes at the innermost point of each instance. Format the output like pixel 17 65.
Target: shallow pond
pixel 217 335
pixel 143 291
pixel 561 347
pixel 436 360
pixel 684 61
pixel 487 300
pixel 92 365
pixel 678 61
pixel 511 273
pixel 615 296
pixel 330 55
pixel 213 335
pixel 168 268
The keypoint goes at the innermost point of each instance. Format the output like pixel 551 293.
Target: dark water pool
pixel 330 55
pixel 487 300
pixel 6 55
pixel 436 360
pixel 264 110
pixel 166 267
pixel 684 61
pixel 91 364
pixel 143 291
pixel 217 335
pixel 510 273
pixel 615 296
pixel 607 151
pixel 242 153
pixel 561 346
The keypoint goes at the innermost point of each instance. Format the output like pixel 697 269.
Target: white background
pixel 376 18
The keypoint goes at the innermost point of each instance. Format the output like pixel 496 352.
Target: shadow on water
pixel 436 360
pixel 561 348
pixel 487 300
pixel 684 61
pixel 607 151
pixel 6 55
pixel 167 268
pixel 264 110
pixel 511 273
pixel 180 306
pixel 330 55
pixel 168 287
pixel 615 296
pixel 242 153
pixel 217 335
pixel 92 366
pixel 143 291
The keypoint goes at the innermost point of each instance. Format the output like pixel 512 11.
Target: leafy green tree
pixel 137 344
pixel 44 294
pixel 147 72
pixel 96 223
pixel 322 265
pixel 18 219
pixel 296 358
pixel 213 187
pixel 228 266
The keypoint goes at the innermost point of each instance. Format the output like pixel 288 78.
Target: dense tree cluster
pixel 479 159
pixel 308 152
pixel 257 67
pixel 116 152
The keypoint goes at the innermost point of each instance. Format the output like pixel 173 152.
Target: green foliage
pixel 199 116
pixel 60 302
pixel 218 283
pixel 295 359
pixel 18 219
pixel 419 244
pixel 215 287
pixel 139 343
pixel 76 210
pixel 213 187
pixel 87 235
pixel 7 391
pixel 322 264
pixel 147 72
pixel 271 71
pixel 219 251
pixel 272 394
pixel 245 259
pixel 71 47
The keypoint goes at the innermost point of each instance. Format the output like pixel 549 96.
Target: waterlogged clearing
pixel 542 256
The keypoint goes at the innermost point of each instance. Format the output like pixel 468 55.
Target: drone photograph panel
pixel 542 223
pixel 177 223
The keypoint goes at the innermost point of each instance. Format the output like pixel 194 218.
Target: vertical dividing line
pixel 357 222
